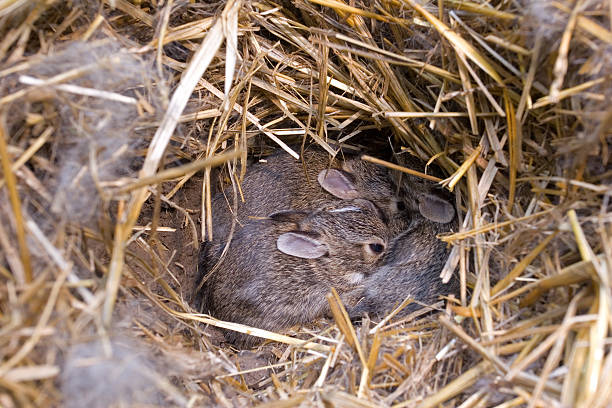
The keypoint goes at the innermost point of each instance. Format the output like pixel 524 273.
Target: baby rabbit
pixel 283 182
pixel 264 291
pixel 415 257
pixel 279 270
pixel 411 268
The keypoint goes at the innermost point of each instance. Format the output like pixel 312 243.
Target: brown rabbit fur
pixel 415 257
pixel 409 267
pixel 293 260
pixel 283 183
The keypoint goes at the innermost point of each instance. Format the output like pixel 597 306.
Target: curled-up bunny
pixel 281 182
pixel 415 257
pixel 412 213
pixel 410 269
pixel 278 270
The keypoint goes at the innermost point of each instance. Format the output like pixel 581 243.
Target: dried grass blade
pixel 131 10
pixel 344 324
pixel 295 401
pixel 11 255
pixel 32 149
pixel 252 118
pixel 79 90
pixel 593 28
pixel 45 315
pixel 587 24
pixel 174 172
pixel 187 31
pixel 488 355
pixel 583 245
pixel 520 267
pixel 603 400
pixel 560 333
pixel 570 275
pixel 394 166
pixel 241 328
pixel 64 76
pixel 229 17
pixel 458 385
pixel 459 44
pixel 566 93
pixel 468 93
pixel 59 260
pixel 324 370
pixel 373 356
pixel 391 315
pixel 321 125
pixel 9 6
pixel 599 330
pixel 11 184
pixel 93 27
pixel 425 114
pixel 478 38
pixel 552 360
pixel 413 62
pixel 561 63
pixel 32 373
pixel 491 226
pixel 529 80
pixel 502 42
pixel 482 9
pixel 342 399
pixel 452 181
pixel 481 85
pixel 198 64
pixel 337 5
pixel 576 363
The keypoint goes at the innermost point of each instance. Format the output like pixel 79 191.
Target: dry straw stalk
pixel 114 114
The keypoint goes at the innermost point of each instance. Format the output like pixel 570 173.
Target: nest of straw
pixel 113 115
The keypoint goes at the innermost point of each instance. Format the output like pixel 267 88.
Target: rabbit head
pixel 278 270
pixel 354 231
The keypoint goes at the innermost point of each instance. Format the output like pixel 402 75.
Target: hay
pixel 110 110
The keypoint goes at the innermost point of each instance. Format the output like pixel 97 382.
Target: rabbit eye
pixel 400 206
pixel 377 248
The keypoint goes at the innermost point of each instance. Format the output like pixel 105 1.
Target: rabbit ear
pixel 436 209
pixel 300 245
pixel 288 216
pixel 336 182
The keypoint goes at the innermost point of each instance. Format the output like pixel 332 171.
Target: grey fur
pixel 259 285
pixel 411 268
pixel 415 257
pixel 282 183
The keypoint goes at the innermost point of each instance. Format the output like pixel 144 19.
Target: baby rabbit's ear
pixel 436 209
pixel 300 245
pixel 336 182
